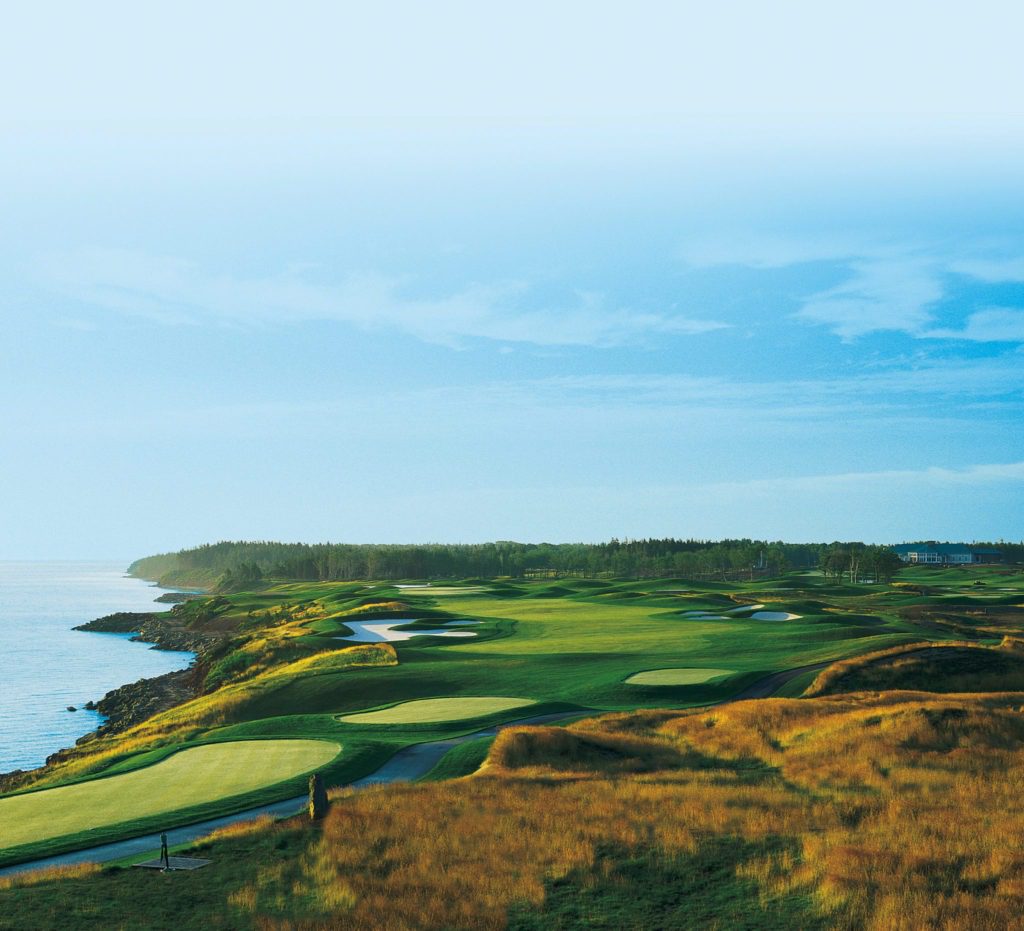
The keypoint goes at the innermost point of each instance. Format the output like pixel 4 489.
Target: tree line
pixel 246 562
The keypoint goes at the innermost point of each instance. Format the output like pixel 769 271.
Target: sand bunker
pixel 758 614
pixel 384 631
pixel 677 676
pixel 442 589
pixel 435 710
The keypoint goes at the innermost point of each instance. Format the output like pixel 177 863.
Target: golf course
pixel 772 715
pixel 298 684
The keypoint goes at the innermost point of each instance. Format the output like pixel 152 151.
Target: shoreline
pixel 133 702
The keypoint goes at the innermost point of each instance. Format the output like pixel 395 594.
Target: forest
pixel 236 563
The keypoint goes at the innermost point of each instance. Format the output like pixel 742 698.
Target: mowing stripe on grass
pixel 677 676
pixel 188 777
pixel 434 710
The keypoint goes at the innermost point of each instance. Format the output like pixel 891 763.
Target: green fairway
pixel 191 777
pixel 433 710
pixel 677 676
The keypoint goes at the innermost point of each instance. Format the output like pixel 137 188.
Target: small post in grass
pixel 317 797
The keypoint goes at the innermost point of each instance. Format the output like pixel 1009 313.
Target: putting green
pixel 189 777
pixel 433 710
pixel 677 676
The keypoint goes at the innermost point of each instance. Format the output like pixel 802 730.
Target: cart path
pixel 406 765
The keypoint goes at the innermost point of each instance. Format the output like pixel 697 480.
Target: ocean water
pixel 46 666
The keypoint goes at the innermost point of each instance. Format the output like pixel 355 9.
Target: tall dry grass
pixel 49 874
pixel 830 678
pixel 904 811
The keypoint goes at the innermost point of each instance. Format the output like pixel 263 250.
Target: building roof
pixel 945 549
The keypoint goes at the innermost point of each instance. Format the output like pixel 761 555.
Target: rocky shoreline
pixel 130 704
pixel 161 628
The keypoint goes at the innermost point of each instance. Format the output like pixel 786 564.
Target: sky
pixel 462 272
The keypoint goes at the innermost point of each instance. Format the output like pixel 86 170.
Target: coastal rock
pixel 164 629
pixel 131 704
pixel 17 778
pixel 174 598
pixel 122 622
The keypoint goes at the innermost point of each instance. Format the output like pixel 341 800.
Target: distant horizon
pixel 762 539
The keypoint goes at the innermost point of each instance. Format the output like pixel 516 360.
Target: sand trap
pixel 384 631
pixel 442 589
pixel 758 615
pixel 677 676
pixel 435 710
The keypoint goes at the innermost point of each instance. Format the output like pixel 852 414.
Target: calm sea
pixel 46 666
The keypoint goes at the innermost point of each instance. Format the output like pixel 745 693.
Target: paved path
pixel 406 765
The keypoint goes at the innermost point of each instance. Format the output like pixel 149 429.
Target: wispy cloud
pixel 972 475
pixel 881 295
pixel 994 325
pixel 890 286
pixel 175 291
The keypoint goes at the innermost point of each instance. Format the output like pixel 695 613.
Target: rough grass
pixel 890 808
pixel 190 777
pixel 882 812
pixel 677 676
pixel 433 710
pixel 957 666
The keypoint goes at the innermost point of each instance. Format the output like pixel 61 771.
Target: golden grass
pixel 904 811
pixel 241 829
pixel 375 607
pixel 49 874
pixel 825 681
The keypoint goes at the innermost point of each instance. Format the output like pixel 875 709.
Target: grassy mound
pixel 434 710
pixel 518 748
pixel 938 667
pixel 191 777
pixel 463 760
pixel 677 676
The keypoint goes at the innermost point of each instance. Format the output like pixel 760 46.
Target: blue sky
pixel 311 272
